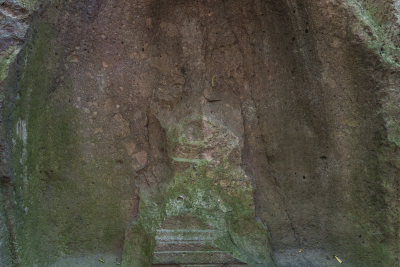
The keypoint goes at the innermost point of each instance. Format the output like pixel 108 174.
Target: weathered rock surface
pixel 273 126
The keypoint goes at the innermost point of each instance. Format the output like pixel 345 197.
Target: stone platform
pixel 183 241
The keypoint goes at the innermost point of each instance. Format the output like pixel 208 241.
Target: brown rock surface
pixel 294 101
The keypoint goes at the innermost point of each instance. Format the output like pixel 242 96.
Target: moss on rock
pixel 66 203
pixel 41 131
pixel 374 28
pixel 213 188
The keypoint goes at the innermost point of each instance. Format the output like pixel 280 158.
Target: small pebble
pixel 74 59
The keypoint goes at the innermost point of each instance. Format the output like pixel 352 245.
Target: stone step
pixel 201 265
pixel 190 247
pixel 186 235
pixel 193 257
pixel 187 241
pixel 183 246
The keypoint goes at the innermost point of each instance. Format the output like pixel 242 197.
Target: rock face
pixel 253 132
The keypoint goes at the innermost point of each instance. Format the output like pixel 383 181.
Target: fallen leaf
pixel 339 260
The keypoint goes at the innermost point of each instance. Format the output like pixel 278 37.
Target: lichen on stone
pixel 208 183
pixel 375 33
pixel 6 60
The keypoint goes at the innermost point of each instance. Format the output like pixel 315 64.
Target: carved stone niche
pixel 205 214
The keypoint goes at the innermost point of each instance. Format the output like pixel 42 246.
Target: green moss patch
pixel 67 205
pixel 216 191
